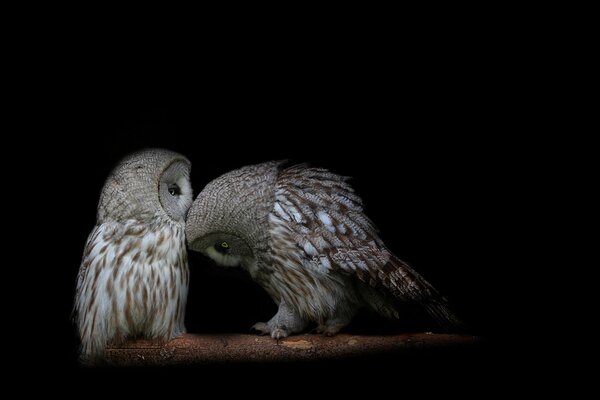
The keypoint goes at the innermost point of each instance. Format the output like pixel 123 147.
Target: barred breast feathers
pixel 133 280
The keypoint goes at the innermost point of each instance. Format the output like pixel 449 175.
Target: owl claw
pixel 279 334
pixel 261 327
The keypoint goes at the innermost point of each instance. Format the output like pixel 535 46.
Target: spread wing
pixel 327 221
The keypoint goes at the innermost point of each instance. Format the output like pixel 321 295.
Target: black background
pixel 424 129
pixel 435 194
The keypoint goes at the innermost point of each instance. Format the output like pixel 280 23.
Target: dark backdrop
pixel 430 176
pixel 427 139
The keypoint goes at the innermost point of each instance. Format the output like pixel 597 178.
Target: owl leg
pixel 284 323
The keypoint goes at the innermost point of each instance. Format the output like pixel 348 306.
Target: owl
pixel 133 279
pixel 302 235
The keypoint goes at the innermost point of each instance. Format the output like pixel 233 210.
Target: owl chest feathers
pixel 133 281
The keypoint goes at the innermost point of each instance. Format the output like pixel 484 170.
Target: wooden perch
pixel 205 349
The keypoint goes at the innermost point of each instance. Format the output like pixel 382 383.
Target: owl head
pixel 228 221
pixel 145 185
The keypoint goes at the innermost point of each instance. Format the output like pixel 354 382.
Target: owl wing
pixel 93 240
pixel 326 220
pixel 96 245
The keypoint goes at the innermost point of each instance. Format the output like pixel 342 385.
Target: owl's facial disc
pixel 175 191
pixel 225 249
pixel 220 253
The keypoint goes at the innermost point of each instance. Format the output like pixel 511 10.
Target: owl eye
pixel 174 189
pixel 222 247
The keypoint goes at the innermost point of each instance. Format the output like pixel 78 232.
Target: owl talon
pixel 261 327
pixel 278 334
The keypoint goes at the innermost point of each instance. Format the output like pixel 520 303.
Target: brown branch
pixel 204 349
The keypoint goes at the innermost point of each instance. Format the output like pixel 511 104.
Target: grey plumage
pixel 133 278
pixel 302 235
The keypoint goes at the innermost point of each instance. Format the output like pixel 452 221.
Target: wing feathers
pixel 328 222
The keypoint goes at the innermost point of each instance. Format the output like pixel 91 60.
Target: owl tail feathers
pixel 407 284
pixel 441 313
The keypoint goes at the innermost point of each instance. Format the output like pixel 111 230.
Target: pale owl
pixel 302 235
pixel 133 279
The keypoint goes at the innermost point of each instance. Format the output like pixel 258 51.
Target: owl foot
pixel 276 333
pixel 279 333
pixel 286 322
pixel 261 327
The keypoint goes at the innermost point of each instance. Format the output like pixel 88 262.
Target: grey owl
pixel 302 235
pixel 133 279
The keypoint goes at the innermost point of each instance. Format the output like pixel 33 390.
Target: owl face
pixel 225 249
pixel 228 221
pixel 175 191
pixel 145 185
